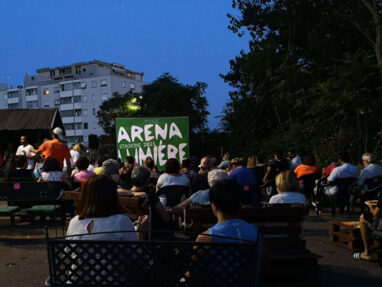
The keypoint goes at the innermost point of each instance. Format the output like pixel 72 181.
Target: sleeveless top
pixel 234 228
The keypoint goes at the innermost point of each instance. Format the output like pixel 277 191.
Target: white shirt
pixel 52 176
pixel 166 179
pixel 344 171
pixel 295 162
pixel 117 222
pixel 24 150
pixel 288 198
pixel 74 156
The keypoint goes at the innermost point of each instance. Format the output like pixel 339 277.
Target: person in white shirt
pixel 371 170
pixel 288 189
pixel 23 149
pixel 345 170
pixel 294 160
pixel 100 212
pixel 171 176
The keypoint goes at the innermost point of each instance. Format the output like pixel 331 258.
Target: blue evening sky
pixel 188 38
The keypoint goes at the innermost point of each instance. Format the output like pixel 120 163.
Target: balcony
pixel 76 92
pixel 70 133
pixel 69 120
pixel 68 107
pixel 31 98
pixel 13 100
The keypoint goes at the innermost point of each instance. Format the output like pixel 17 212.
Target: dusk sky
pixel 189 39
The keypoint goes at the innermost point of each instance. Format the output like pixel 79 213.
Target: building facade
pixel 77 90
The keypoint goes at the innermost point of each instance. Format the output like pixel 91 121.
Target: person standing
pixel 57 149
pixel 24 150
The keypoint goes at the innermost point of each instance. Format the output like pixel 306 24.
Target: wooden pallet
pixel 346 234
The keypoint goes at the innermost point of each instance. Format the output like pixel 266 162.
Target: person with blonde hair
pixel 288 188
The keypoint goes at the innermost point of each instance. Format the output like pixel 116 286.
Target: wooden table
pixel 134 205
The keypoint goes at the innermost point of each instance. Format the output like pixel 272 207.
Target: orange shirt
pixel 304 169
pixel 57 149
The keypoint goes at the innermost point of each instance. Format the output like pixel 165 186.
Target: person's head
pixel 216 175
pixel 225 198
pixel 172 166
pixel 186 163
pixel 140 176
pixel 226 156
pixel 58 134
pixel 278 155
pixel 51 164
pixel 130 160
pixel 78 147
pixel 205 164
pixel 24 140
pixel 99 198
pixel 149 163
pixel 368 158
pixel 20 162
pixel 251 162
pixel 237 162
pixel 291 154
pixel 287 181
pixel 259 159
pixel 343 157
pixel 82 163
pixel 110 168
pixel 100 159
pixel 309 160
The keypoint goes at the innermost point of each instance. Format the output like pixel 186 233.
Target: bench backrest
pixel 155 263
pixel 43 192
pixel 280 225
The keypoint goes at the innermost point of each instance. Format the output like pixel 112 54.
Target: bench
pixel 281 229
pixel 151 263
pixel 377 245
pixel 134 206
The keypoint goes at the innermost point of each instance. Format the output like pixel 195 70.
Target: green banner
pixel 159 138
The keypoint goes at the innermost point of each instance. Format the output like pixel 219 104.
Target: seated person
pixel 150 165
pixel 225 202
pixel 171 176
pixel 83 173
pixel 160 219
pixel 288 188
pixel 53 172
pixel 39 165
pixel 99 211
pixel 186 168
pixel 20 170
pixel 307 167
pixel 100 159
pixel 345 170
pixel 201 197
pixel 372 169
pixel 294 159
pixel 125 172
pixel 110 168
pixel 240 173
pixel 368 223
pixel 200 180
pixel 256 164
pixel 328 170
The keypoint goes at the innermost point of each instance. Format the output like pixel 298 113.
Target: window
pixel 66 113
pixel 73 126
pixel 84 99
pixel 77 99
pixel 64 101
pixel 33 104
pixel 103 83
pixel 85 112
pixel 46 104
pixel 78 113
pixel 46 92
pixel 57 102
pixel 103 97
pixel 93 98
pixel 94 84
pixel 66 87
pixel 86 126
pixel 31 92
pixel 76 85
pixel 5 97
pixel 56 89
pixel 14 94
pixel 132 86
pixel 52 73
pixel 94 112
pixel 83 85
pixel 13 106
pixel 124 84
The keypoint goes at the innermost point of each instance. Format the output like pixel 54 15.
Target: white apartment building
pixel 77 90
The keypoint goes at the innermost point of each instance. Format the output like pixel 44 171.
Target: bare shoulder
pixel 204 237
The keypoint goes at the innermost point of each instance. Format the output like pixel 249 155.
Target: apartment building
pixel 77 90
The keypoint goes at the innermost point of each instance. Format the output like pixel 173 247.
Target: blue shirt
pixel 372 170
pixel 243 176
pixel 295 162
pixel 201 197
pixel 344 171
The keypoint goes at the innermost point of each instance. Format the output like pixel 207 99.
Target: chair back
pixel 309 182
pixel 173 193
pixel 43 192
pixel 374 183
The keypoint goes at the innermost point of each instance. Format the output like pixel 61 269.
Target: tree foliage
pixel 311 79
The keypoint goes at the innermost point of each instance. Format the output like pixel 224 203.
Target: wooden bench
pixel 346 234
pixel 135 206
pixel 151 263
pixel 377 246
pixel 281 228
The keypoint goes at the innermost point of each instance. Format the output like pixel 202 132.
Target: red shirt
pixel 329 169
pixel 57 149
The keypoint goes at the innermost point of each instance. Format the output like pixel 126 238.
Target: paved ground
pixel 23 260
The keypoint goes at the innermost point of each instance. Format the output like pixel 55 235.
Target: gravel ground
pixel 24 256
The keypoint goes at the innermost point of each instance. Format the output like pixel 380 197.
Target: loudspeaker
pixel 93 141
